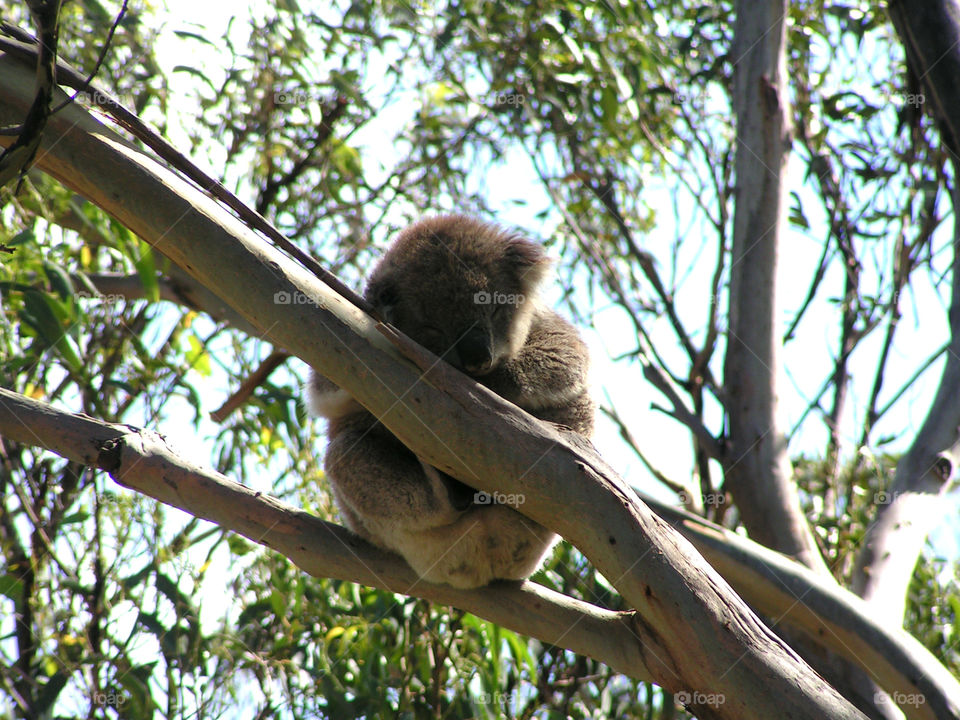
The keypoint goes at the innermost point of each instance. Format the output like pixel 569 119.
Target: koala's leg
pixel 380 486
pixel 460 494
pixel 489 542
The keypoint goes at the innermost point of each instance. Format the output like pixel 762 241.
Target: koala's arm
pixel 549 377
pixel 381 487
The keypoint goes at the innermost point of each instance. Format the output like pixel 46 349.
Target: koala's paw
pixel 324 399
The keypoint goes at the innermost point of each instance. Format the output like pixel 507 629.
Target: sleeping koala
pixel 467 291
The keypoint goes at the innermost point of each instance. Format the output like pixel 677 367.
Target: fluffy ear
pixel 529 259
pixel 384 295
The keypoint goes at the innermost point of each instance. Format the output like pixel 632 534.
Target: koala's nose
pixel 475 351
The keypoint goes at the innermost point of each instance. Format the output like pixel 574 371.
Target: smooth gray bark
pixel 759 472
pixel 807 603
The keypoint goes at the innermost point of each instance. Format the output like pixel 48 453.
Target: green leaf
pixel 197 356
pixel 609 107
pixel 23 237
pixel 41 316
pixel 521 652
pixel 347 161
pixel 137 701
pixel 146 267
pixel 45 314
pixel 59 280
pixel 77 517
pixel 11 586
pixel 278 603
pixel 187 35
pixel 51 690
pixel 238 545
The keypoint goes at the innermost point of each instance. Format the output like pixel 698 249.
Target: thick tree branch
pixel 16 158
pixel 141 460
pixel 789 594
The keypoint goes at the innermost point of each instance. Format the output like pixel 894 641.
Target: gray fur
pixel 466 290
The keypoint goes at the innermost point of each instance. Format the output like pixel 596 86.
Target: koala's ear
pixel 529 258
pixel 384 295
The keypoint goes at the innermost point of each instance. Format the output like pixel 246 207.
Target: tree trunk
pixel 930 31
pixel 758 471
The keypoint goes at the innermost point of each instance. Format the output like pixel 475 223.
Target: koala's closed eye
pixel 433 338
pixel 436 283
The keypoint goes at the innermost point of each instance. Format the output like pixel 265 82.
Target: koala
pixel 467 291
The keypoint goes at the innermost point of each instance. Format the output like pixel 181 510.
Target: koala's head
pixel 460 287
